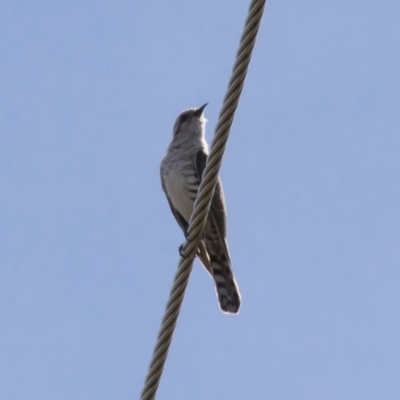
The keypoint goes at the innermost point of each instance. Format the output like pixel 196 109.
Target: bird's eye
pixel 184 118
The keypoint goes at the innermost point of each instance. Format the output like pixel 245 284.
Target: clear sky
pixel 89 92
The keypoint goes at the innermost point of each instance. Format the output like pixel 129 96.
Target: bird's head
pixel 190 123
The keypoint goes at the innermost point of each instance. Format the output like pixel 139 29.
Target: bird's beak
pixel 200 110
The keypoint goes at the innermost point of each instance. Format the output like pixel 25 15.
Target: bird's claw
pixel 180 249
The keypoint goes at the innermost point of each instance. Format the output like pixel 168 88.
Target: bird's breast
pixel 182 185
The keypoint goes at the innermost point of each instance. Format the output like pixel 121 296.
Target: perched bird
pixel 181 173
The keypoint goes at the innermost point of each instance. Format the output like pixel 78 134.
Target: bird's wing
pixel 217 209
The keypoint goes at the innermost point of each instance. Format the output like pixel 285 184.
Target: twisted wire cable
pixel 203 200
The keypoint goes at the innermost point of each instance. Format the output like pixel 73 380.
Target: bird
pixel 181 173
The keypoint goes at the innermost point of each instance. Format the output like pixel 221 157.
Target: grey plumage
pixel 181 173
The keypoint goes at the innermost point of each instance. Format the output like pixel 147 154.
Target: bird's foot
pixel 180 250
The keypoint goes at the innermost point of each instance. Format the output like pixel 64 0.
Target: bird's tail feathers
pixel 227 290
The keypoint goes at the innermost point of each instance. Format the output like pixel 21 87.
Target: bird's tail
pixel 220 270
pixel 225 285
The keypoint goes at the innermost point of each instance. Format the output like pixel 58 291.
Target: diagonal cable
pixel 203 200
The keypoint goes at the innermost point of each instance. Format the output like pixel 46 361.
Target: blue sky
pixel 88 248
